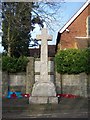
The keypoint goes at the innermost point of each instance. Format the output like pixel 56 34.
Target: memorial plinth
pixel 43 90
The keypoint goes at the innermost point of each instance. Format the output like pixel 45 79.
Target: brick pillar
pixel 5 83
pixel 58 83
pixel 30 79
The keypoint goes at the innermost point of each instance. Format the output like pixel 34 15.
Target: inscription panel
pixel 50 66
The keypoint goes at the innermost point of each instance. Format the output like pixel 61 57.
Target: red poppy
pixel 67 95
pixel 26 95
pixel 13 95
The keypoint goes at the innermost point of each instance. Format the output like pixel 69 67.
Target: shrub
pixel 13 65
pixel 72 61
pixel 88 63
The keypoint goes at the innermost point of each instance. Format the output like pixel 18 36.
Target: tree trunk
pixel 9 50
pixel 8 39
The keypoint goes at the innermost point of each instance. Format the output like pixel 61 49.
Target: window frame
pixel 88 26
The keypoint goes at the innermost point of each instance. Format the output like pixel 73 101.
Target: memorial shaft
pixel 44 61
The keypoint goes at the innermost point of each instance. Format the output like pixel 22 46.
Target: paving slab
pixel 67 108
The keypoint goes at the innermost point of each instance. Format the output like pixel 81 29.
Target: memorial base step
pixel 43 100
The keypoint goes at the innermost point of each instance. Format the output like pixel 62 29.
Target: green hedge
pixel 14 65
pixel 72 61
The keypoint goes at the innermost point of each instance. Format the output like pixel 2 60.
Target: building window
pixel 88 26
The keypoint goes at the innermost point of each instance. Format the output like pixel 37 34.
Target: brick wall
pixel 35 52
pixel 76 29
pixel 73 84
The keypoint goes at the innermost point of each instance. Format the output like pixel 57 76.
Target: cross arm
pixel 39 37
pixel 49 38
pixel 44 35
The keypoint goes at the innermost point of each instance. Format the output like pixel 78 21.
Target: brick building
pixel 76 32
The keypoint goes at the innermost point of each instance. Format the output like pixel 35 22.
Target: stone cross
pixel 43 90
pixel 44 37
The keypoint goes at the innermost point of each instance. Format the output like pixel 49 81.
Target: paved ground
pixel 67 108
